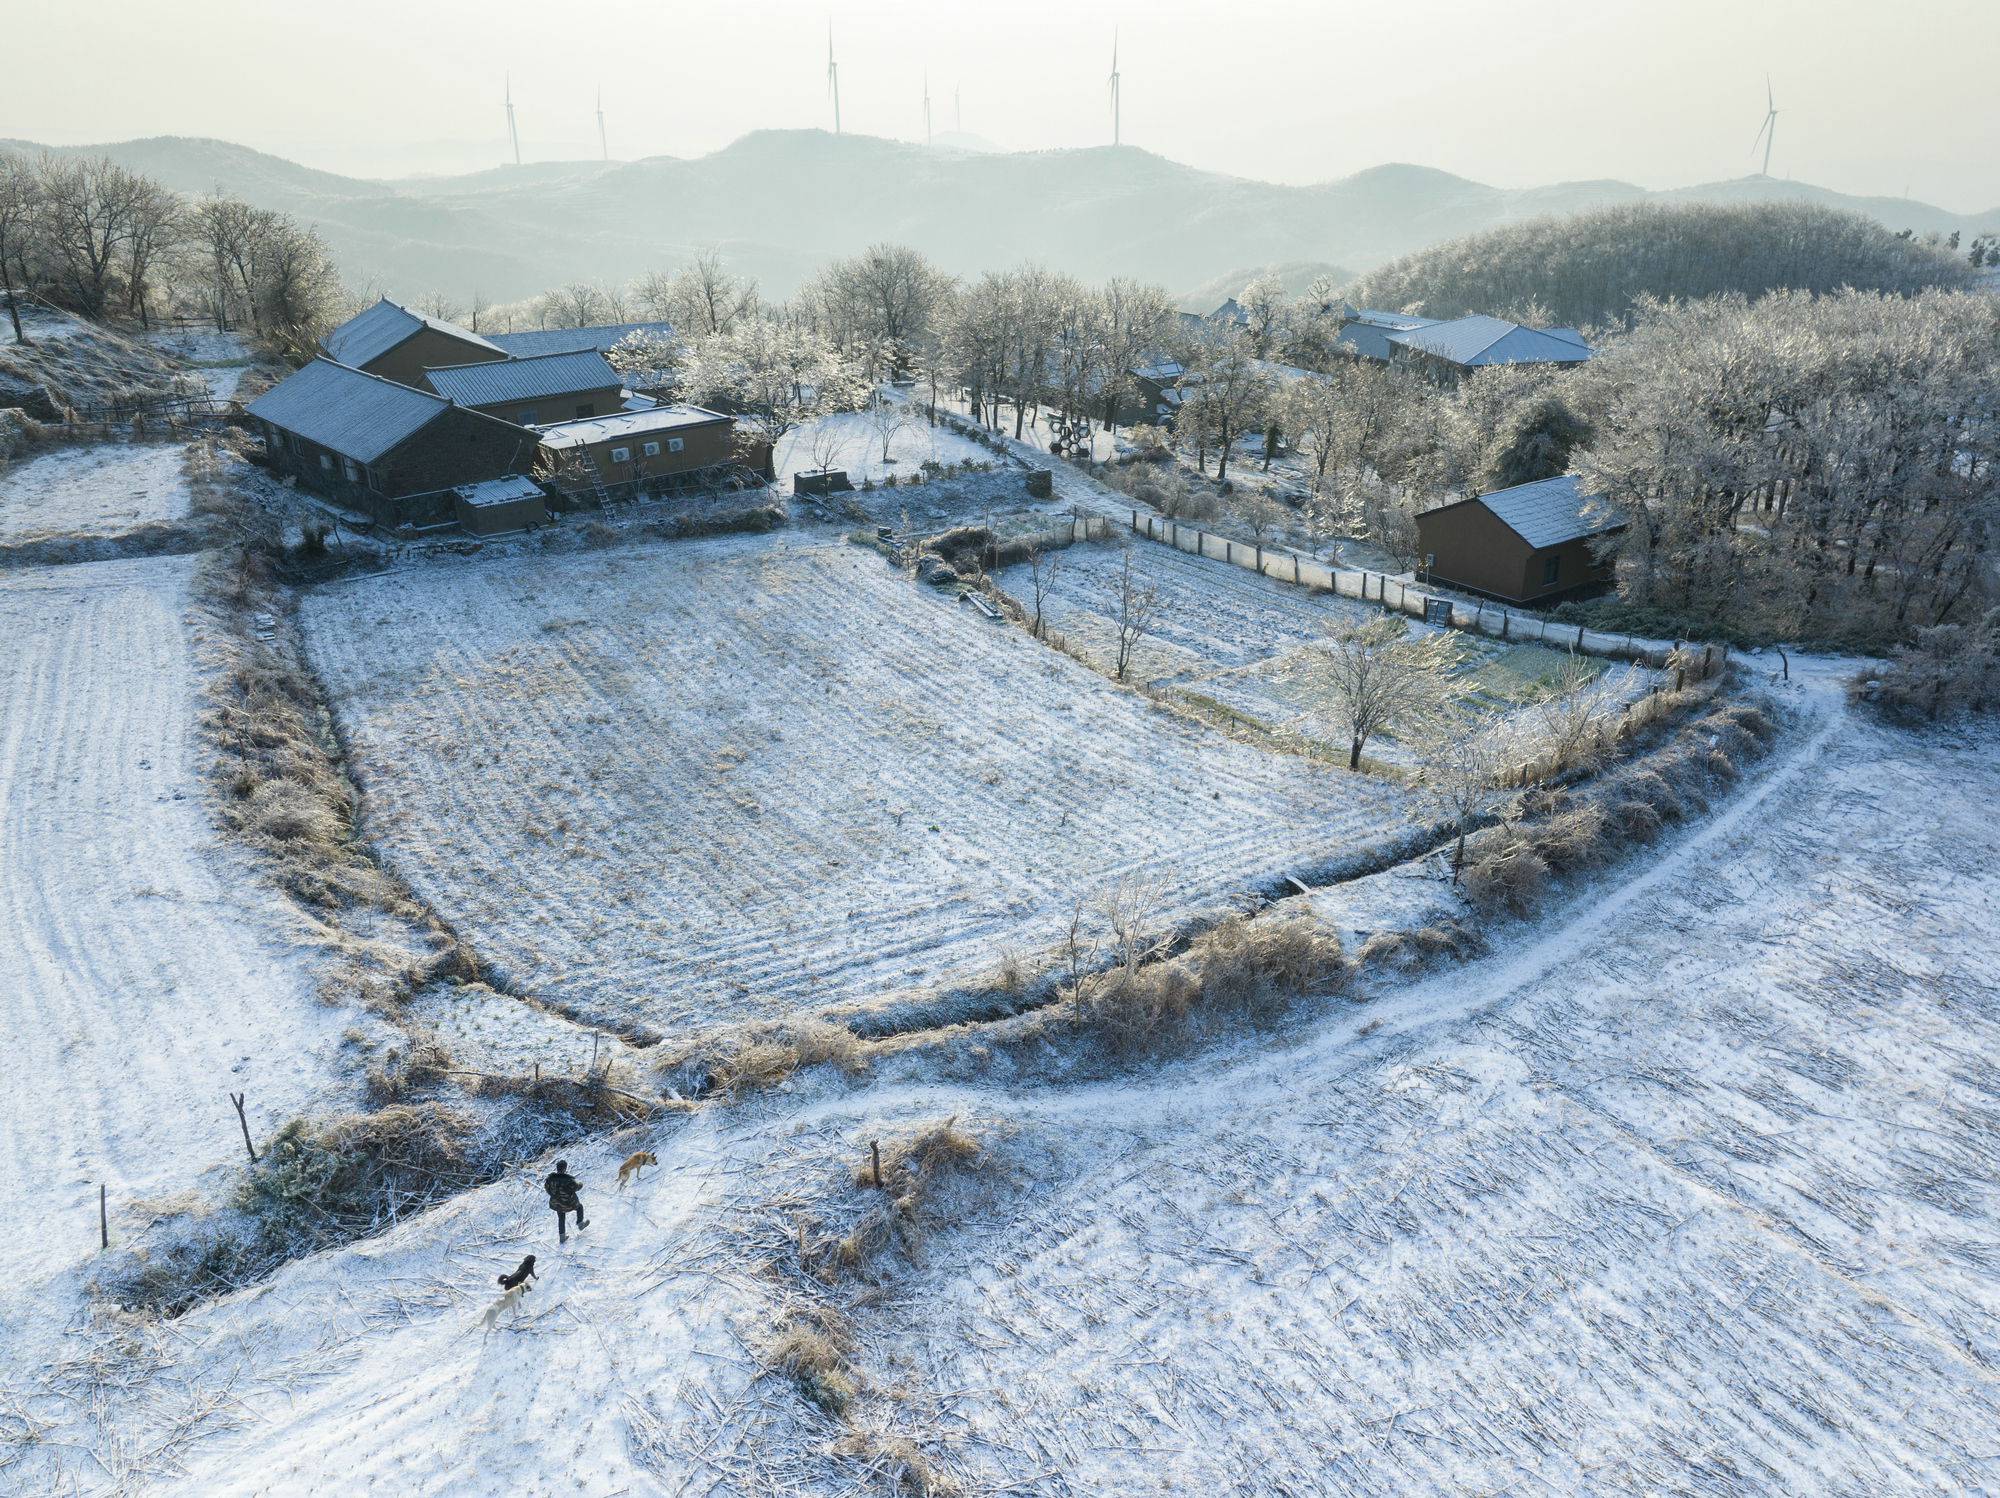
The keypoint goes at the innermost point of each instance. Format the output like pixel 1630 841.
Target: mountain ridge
pixel 779 203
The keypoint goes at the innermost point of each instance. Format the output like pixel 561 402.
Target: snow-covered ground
pixel 145 973
pixel 100 489
pixel 683 784
pixel 1688 1188
pixel 859 449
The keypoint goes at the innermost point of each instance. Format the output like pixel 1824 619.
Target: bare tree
pixel 1263 514
pixel 1572 722
pixel 1135 605
pixel 1043 569
pixel 87 219
pixel 443 308
pixel 886 418
pixel 20 200
pixel 1465 754
pixel 700 298
pixel 1373 678
pixel 889 294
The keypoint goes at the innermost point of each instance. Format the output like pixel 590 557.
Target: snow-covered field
pixel 858 447
pixel 145 973
pixel 680 785
pixel 95 490
pixel 1688 1188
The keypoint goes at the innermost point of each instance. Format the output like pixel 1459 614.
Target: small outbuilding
pixel 604 337
pixel 634 446
pixel 1528 544
pixel 498 506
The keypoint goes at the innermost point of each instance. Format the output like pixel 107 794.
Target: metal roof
pixel 1368 341
pixel 502 380
pixel 1389 319
pixel 562 434
pixel 1550 512
pixel 371 334
pixel 505 491
pixel 1472 342
pixel 575 340
pixel 360 416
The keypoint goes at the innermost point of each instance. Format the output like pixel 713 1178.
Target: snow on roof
pixel 1550 512
pixel 575 340
pixel 371 334
pixel 1471 342
pixel 505 491
pixel 360 416
pixel 522 379
pixel 561 434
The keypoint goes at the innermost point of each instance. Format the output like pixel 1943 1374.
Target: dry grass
pixel 896 1462
pixel 761 1055
pixel 1241 969
pixel 1403 951
pixel 1568 831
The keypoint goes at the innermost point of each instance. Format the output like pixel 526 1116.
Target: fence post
pixel 1295 568
pixel 1260 558
pixel 1579 637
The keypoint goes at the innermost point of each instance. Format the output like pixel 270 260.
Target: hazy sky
pixel 1874 98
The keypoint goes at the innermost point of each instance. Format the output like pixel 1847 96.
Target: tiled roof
pixel 528 379
pixel 360 416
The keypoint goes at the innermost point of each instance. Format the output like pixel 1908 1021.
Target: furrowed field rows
pixel 745 775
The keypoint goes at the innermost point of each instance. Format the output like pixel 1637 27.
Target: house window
pixel 325 463
pixel 651 449
pixel 621 454
pixel 298 444
pixel 1549 570
pixel 586 409
pixel 673 444
pixel 349 470
pixel 525 418
pixel 374 479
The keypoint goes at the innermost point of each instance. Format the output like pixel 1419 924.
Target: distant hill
pixel 1294 275
pixel 779 203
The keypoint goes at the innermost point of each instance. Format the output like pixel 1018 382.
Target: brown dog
pixel 520 1276
pixel 631 1167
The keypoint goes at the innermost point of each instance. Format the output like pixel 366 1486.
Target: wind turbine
pixel 833 77
pixel 512 134
pixel 1114 87
pixel 927 106
pixel 600 124
pixel 957 117
pixel 1768 131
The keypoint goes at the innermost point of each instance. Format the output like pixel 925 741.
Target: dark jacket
pixel 562 1188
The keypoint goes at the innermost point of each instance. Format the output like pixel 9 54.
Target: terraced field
pixel 676 785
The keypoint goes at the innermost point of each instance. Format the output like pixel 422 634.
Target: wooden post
pixel 237 1099
pixel 1295 568
pixel 1579 637
pixel 875 1152
pixel 103 1218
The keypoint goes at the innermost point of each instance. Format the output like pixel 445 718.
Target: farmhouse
pixel 632 446
pixel 534 391
pixel 398 343
pixel 1528 544
pixel 374 445
pixel 1457 346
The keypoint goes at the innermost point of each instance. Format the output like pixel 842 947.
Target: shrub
pixel 814 1361
pixel 1258 968
pixel 1951 668
pixel 1513 879
pixel 1408 949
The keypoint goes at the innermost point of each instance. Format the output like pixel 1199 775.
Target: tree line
pixel 86 235
pixel 1586 269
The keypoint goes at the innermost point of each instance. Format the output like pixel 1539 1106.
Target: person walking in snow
pixel 562 1188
